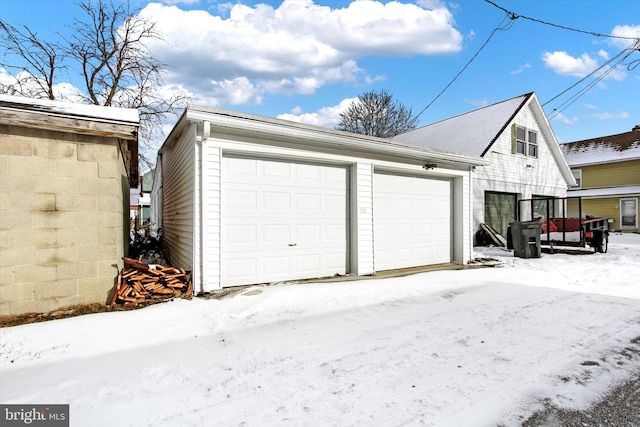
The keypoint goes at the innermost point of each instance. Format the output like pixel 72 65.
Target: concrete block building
pixel 65 174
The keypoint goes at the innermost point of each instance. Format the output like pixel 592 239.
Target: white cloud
pixel 327 117
pixel 368 79
pixel 631 31
pixel 521 69
pixel 170 2
pixel 236 91
pixel 589 106
pixel 565 120
pixel 563 63
pixel 296 47
pixel 611 116
pixel 603 54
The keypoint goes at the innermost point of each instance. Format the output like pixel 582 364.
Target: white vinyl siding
pixel 514 173
pixel 178 218
pixel 362 212
pixel 211 194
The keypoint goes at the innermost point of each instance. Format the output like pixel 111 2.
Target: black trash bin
pixel 526 239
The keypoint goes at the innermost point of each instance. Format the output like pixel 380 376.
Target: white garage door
pixel 282 220
pixel 412 221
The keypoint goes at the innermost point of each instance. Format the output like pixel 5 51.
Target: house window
pixel 629 214
pixel 577 174
pixel 533 143
pixel 525 141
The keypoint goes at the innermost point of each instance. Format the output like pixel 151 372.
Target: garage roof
pixel 272 131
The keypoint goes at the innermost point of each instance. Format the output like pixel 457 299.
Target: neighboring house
pixel 140 200
pixel 515 137
pixel 244 199
pixel 607 172
pixel 65 174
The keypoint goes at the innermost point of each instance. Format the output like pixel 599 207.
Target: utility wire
pixel 539 21
pixel 586 77
pixel 571 100
pixel 498 28
pixel 513 17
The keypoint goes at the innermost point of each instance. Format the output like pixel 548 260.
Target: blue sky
pixel 304 60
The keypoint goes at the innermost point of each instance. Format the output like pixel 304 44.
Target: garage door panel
pixel 412 221
pixel 243 234
pixel 242 268
pixel 277 170
pixel 300 214
pixel 308 233
pixel 308 202
pixel 308 263
pixel 276 233
pixel 242 199
pixel 276 200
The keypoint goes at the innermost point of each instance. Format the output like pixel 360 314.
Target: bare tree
pixel 107 50
pixel 35 79
pixel 377 114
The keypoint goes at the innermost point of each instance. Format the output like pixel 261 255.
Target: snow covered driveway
pixel 449 348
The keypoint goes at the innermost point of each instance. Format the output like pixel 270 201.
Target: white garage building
pixel 244 199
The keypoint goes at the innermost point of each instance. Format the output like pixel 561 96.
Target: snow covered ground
pixel 447 348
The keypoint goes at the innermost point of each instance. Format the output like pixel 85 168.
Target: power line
pixel 571 100
pixel 563 27
pixel 586 77
pixel 498 28
pixel 512 16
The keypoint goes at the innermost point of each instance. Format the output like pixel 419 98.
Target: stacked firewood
pixel 141 284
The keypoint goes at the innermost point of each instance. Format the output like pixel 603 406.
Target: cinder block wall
pixel 63 209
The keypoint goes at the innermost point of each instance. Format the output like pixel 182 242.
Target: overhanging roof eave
pixel 244 124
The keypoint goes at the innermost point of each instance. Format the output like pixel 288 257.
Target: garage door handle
pixel 293 244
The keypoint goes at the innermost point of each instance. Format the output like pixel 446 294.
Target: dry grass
pixel 61 313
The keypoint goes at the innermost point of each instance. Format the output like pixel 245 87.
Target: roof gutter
pixel 238 124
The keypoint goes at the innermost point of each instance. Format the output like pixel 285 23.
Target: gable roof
pixel 471 133
pixel 474 133
pixel 604 149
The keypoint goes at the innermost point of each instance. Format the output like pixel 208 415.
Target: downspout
pixel 471 213
pixel 206 131
pixel 197 220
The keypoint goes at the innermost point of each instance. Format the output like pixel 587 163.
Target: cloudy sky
pixel 305 60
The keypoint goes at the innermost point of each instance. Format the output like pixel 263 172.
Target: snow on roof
pixel 604 149
pixel 112 114
pixel 470 133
